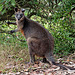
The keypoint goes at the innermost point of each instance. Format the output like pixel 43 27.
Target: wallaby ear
pixel 22 10
pixel 16 9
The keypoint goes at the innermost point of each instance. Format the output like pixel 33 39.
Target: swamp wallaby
pixel 40 41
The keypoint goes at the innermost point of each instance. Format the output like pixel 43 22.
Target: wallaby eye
pixel 16 15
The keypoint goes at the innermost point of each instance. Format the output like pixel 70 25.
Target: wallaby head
pixel 19 14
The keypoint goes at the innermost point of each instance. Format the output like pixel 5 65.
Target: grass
pixel 12 50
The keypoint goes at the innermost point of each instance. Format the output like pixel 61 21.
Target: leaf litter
pixel 40 68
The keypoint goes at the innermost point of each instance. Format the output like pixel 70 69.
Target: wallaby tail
pixel 63 66
pixel 50 59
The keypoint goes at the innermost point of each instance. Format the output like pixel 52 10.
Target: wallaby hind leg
pixel 33 45
pixel 32 56
pixel 50 58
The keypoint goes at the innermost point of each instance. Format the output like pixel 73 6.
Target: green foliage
pixel 64 44
pixel 6 5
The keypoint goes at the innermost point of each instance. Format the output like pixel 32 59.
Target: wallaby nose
pixel 18 18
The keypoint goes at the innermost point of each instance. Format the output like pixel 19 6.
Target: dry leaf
pixel 0 71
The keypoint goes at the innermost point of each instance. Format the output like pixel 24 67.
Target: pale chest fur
pixel 19 25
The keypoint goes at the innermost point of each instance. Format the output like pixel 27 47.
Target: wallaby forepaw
pixel 8 22
pixel 12 31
